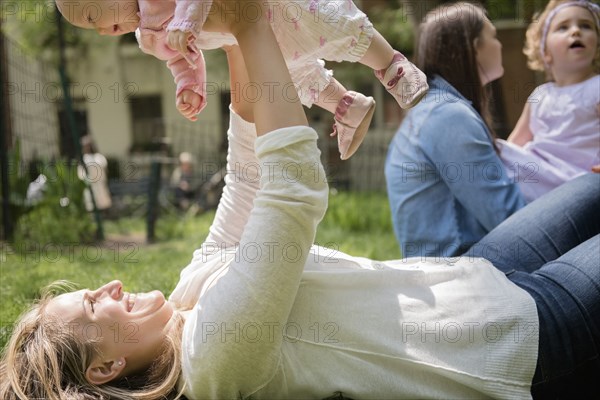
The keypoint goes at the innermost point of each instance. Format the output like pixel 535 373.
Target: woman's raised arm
pixel 243 172
pixel 258 289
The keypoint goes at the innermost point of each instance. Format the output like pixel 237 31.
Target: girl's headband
pixel 593 8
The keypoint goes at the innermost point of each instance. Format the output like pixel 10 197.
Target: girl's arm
pixel 522 134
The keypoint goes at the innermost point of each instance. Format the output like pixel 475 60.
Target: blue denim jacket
pixel 446 185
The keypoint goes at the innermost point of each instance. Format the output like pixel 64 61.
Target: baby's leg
pixel 400 77
pixel 379 54
pixel 352 114
pixel 336 30
pixel 331 96
pixel 281 108
pixel 353 111
pixel 238 76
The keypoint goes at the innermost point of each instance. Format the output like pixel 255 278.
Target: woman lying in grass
pixel 259 312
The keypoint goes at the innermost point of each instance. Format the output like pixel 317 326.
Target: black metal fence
pixel 143 184
pixel 33 93
pixel 30 126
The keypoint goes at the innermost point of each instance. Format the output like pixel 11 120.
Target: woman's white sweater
pixel 272 317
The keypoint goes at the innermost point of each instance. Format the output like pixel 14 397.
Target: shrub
pixel 59 215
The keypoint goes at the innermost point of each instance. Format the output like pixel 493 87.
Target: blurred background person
pixel 182 181
pixel 96 176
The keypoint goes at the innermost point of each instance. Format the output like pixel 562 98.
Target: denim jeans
pixel 551 249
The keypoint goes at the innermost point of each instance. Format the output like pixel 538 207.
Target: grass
pixel 358 224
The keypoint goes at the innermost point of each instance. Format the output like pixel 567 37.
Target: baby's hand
pixel 188 104
pixel 180 42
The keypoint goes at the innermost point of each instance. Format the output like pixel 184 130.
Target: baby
pixel 307 31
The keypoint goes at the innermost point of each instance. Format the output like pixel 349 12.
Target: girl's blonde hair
pixel 44 359
pixel 533 42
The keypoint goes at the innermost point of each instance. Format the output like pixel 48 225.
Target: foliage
pixel 18 181
pixel 394 24
pixel 61 206
pixel 34 24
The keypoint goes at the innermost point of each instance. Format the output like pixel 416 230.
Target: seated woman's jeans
pixel 551 249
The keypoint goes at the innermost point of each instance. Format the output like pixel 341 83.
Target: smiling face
pixel 128 328
pixel 572 43
pixel 107 17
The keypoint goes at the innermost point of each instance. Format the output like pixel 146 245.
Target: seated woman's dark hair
pixel 446 47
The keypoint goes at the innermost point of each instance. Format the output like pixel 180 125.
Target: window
pixel 67 142
pixel 147 125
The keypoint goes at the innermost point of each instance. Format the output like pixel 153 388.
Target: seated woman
pixel 261 313
pixel 447 186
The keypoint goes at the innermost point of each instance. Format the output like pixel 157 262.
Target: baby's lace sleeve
pixel 190 15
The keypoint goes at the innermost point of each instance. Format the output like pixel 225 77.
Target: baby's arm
pixel 188 104
pixel 522 134
pixel 189 72
pixel 189 18
pixel 191 84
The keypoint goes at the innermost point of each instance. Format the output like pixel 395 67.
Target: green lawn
pixel 358 224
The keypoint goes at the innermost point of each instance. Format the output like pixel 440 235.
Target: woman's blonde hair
pixel 533 42
pixel 44 359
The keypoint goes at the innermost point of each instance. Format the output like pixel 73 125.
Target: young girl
pixel 306 30
pixel 557 137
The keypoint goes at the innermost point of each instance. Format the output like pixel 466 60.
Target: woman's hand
pixel 188 103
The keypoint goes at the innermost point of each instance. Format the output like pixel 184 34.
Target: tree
pixel 394 24
pixel 33 24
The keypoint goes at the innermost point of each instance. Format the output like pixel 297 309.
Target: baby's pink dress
pixel 307 31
